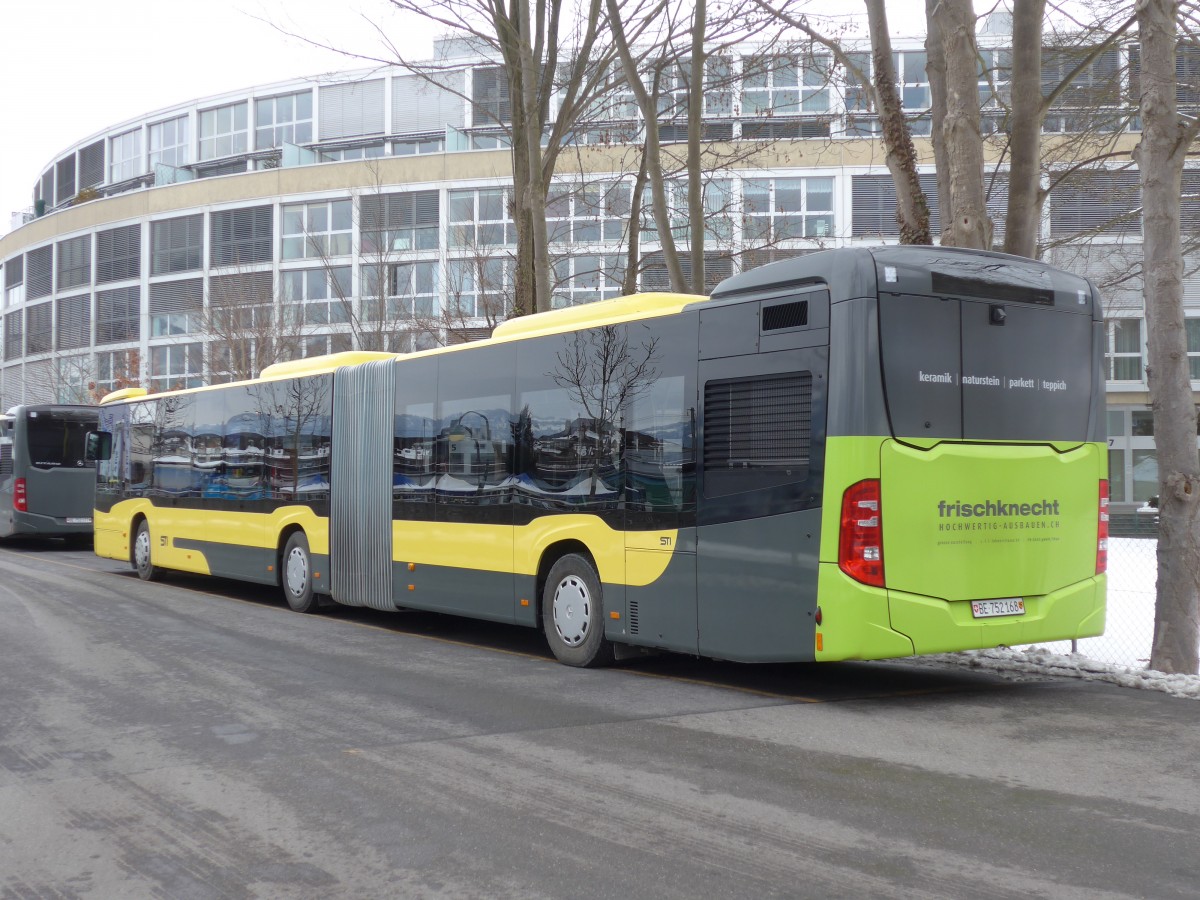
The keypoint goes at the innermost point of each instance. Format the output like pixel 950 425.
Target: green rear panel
pixel 962 522
pixel 977 521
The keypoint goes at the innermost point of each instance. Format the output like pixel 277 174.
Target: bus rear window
pixel 55 441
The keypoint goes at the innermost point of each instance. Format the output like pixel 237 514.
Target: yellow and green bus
pixel 861 453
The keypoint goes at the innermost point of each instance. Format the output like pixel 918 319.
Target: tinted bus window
pixel 57 441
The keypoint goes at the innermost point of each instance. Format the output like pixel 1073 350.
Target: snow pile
pixel 1040 661
pixel 1120 655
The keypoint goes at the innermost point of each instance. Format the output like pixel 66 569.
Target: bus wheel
pixel 146 570
pixel 297 574
pixel 573 614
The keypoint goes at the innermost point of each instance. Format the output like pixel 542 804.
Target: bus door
pixel 360 509
pixel 762 373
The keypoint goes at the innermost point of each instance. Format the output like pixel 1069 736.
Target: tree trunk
pixel 694 176
pixel 912 210
pixel 1160 155
pixel 1022 223
pixel 535 189
pixel 935 68
pixel 658 189
pixel 964 214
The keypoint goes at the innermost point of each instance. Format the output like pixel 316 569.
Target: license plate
pixel 79 520
pixel 984 609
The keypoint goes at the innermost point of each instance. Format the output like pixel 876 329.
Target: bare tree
pixel 247 324
pixel 912 207
pixel 965 221
pixel 1166 139
pixel 602 370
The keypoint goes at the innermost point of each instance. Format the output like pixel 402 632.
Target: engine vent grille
pixel 785 315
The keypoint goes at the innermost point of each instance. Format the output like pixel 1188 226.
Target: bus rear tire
pixel 145 569
pixel 573 614
pixel 297 574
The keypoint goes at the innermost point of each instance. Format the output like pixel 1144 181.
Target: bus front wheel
pixel 146 570
pixel 573 614
pixel 297 574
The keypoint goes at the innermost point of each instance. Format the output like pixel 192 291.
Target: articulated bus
pixel 856 454
pixel 46 485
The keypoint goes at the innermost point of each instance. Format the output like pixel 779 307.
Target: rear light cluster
pixel 1102 531
pixel 20 499
pixel 860 543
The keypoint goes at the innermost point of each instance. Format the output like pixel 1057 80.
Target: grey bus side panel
pixel 856 403
pixel 758 588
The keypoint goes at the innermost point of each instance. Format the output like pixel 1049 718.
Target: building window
pixel 781 209
pixel 912 84
pixel 176 307
pixel 1093 99
pixel 478 288
pixel 586 214
pixel 352 109
pixel 117 369
pixel 368 151
pixel 176 245
pixel 1096 202
pixel 119 254
pixel 279 119
pixel 64 179
pixel 14 334
pixel 317 296
pixel 14 281
pixel 1125 350
pixel 785 86
pixel 125 156
pixel 481 219
pixel 240 236
pixel 416 147
pixel 490 102
pixel 74 262
pixel 322 344
pixel 411 290
pixel 176 366
pixel 74 327
pixel 118 315
pixel 169 143
pixel 39 266
pixel 91 164
pixel 317 230
pixel 399 222
pixel 223 131
pixel 1193 347
pixel 586 279
pixel 39 328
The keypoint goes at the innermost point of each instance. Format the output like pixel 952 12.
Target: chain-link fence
pixel 1132 573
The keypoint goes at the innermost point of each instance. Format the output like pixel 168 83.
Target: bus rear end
pixel 965 501
pixel 51 487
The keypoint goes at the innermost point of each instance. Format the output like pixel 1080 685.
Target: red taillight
pixel 860 544
pixel 1102 530
pixel 20 501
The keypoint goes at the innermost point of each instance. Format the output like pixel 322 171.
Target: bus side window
pixel 97 446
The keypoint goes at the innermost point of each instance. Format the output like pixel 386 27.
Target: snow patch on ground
pixel 1040 661
pixel 1120 655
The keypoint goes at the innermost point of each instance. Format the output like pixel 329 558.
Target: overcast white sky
pixel 71 68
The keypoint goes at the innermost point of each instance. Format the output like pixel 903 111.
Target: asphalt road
pixel 195 739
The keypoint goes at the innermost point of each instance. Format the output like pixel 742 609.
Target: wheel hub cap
pixel 297 572
pixel 572 610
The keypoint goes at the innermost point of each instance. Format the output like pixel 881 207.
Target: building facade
pixel 201 242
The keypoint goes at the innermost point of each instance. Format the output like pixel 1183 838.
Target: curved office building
pixel 201 242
